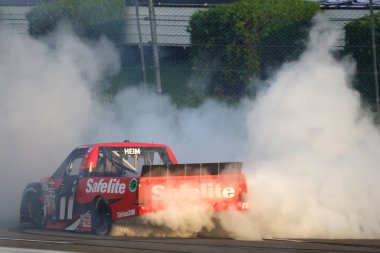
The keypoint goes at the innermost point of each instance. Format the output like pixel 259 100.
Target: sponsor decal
pixel 132 151
pixel 111 186
pixel 205 191
pixel 45 186
pixel 85 220
pixel 50 197
pixel 133 185
pixel 128 213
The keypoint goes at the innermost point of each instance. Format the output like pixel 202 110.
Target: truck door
pixel 66 193
pixel 62 188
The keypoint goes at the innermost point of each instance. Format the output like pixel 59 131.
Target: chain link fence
pixel 189 83
pixel 158 50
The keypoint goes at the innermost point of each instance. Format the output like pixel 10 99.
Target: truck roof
pixel 125 144
pixel 128 144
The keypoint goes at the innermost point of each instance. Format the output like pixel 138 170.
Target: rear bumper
pixel 218 207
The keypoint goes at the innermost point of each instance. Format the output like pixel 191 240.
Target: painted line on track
pixel 287 240
pixel 21 250
pixel 31 240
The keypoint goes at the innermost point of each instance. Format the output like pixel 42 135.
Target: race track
pixel 75 242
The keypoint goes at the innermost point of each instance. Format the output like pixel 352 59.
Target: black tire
pixel 31 211
pixel 101 218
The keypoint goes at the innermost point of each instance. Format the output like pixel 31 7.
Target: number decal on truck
pixel 63 212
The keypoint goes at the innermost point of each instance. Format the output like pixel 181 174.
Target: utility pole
pixel 156 60
pixel 141 45
pixel 374 58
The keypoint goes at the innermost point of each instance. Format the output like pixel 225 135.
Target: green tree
pixel 89 18
pixel 238 42
pixel 358 44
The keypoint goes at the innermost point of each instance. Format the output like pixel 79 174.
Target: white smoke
pixel 210 133
pixel 49 105
pixel 181 213
pixel 314 151
pixel 46 104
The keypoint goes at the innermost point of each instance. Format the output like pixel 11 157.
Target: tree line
pixel 232 45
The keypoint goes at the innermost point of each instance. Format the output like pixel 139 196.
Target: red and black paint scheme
pixel 100 183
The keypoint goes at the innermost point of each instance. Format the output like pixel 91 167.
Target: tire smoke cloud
pixel 46 105
pixel 314 152
pixel 49 104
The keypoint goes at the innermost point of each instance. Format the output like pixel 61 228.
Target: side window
pixel 131 164
pixel 74 166
pixel 71 165
pixel 127 161
pixel 106 164
pixel 100 165
pixel 151 158
pixel 157 159
pixel 60 172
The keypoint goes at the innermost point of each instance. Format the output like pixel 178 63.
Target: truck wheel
pixel 31 211
pixel 101 218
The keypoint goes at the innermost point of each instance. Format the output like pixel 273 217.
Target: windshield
pixel 71 165
pixel 128 162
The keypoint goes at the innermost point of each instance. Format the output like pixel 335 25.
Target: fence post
pixel 374 57
pixel 156 60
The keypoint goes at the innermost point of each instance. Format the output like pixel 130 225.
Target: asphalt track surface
pixel 76 242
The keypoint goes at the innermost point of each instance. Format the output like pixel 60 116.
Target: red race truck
pixel 100 183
